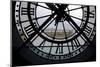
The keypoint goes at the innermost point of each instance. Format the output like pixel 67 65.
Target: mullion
pixel 55 32
pixel 43 44
pixel 46 21
pixel 57 49
pixel 54 35
pixel 51 43
pixel 64 31
pixel 36 18
pixel 48 24
pixel 43 24
pixel 61 48
pixel 68 48
pixel 80 19
pixel 76 8
pixel 41 6
pixel 78 28
pixel 73 27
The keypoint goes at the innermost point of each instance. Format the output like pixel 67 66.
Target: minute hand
pixel 51 6
pixel 36 32
pixel 68 18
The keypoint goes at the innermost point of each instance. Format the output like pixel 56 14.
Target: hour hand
pixel 52 6
pixel 62 6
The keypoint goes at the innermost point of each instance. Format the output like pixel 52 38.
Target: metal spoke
pixel 68 47
pixel 76 8
pixel 53 36
pixel 64 31
pixel 58 48
pixel 41 6
pixel 50 48
pixel 55 31
pixel 77 27
pixel 61 48
pixel 36 32
pixel 36 18
pixel 73 27
pixel 48 24
pixel 80 19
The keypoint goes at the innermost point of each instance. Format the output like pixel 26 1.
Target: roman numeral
pixel 59 49
pixel 68 47
pixel 87 30
pixel 93 34
pixel 24 11
pixel 75 43
pixel 72 43
pixel 29 30
pixel 91 14
pixel 50 48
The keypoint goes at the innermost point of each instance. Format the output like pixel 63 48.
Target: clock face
pixel 55 31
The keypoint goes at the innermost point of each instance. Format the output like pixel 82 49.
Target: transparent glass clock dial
pixel 55 31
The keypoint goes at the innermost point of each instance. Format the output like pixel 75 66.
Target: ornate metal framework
pixel 55 31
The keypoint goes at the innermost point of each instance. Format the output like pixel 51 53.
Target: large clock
pixel 55 31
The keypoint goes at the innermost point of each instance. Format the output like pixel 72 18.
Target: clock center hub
pixel 61 15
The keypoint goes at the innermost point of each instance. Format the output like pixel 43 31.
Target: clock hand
pixel 77 27
pixel 55 9
pixel 40 28
pixel 58 9
pixel 51 6
pixel 60 13
pixel 36 32
pixel 62 6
